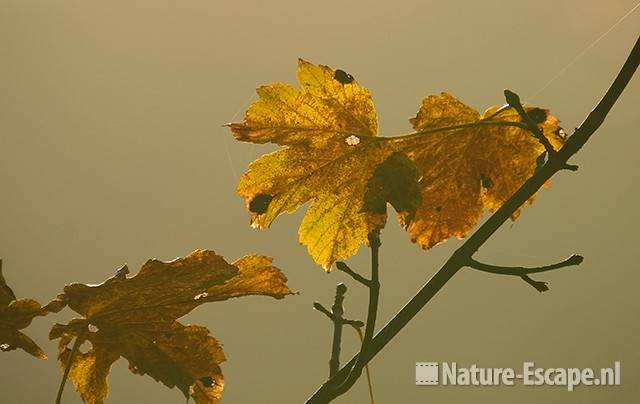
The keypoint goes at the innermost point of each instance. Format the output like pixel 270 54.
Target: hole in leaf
pixel 207 381
pixel 260 203
pixel 352 140
pixel 85 347
pixel 200 296
pixel 93 328
pixel 343 77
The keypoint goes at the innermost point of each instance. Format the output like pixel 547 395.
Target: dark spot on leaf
pixel 438 208
pixel 537 115
pixel 207 381
pixel 486 182
pixel 260 203
pixel 343 77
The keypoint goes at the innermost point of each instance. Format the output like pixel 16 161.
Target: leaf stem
pixel 366 367
pixel 76 345
pixel 372 312
pixel 374 288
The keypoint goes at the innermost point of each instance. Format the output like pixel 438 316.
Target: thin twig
pixel 514 102
pixel 374 287
pixel 540 286
pixel 337 311
pixel 336 386
pixel 523 272
pixel 342 266
pixel 76 345
pixel 570 167
pixel 372 311
pixel 519 271
pixel 318 306
pixel 355 323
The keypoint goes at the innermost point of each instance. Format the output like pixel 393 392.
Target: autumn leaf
pixel 472 167
pixel 135 318
pixel 460 163
pixel 16 314
pixel 330 130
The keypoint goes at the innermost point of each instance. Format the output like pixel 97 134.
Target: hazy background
pixel 112 152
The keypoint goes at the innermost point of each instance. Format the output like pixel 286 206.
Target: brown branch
pixel 336 316
pixel 337 311
pixel 557 162
pixel 342 266
pixel 523 272
pixel 519 271
pixel 354 323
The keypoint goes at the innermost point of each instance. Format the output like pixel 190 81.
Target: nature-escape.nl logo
pixel 451 374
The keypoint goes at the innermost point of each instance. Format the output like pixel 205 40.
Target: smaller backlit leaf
pixel 135 318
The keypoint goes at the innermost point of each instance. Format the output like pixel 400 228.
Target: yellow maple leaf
pixel 16 314
pixel 332 154
pixel 330 129
pixel 135 318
